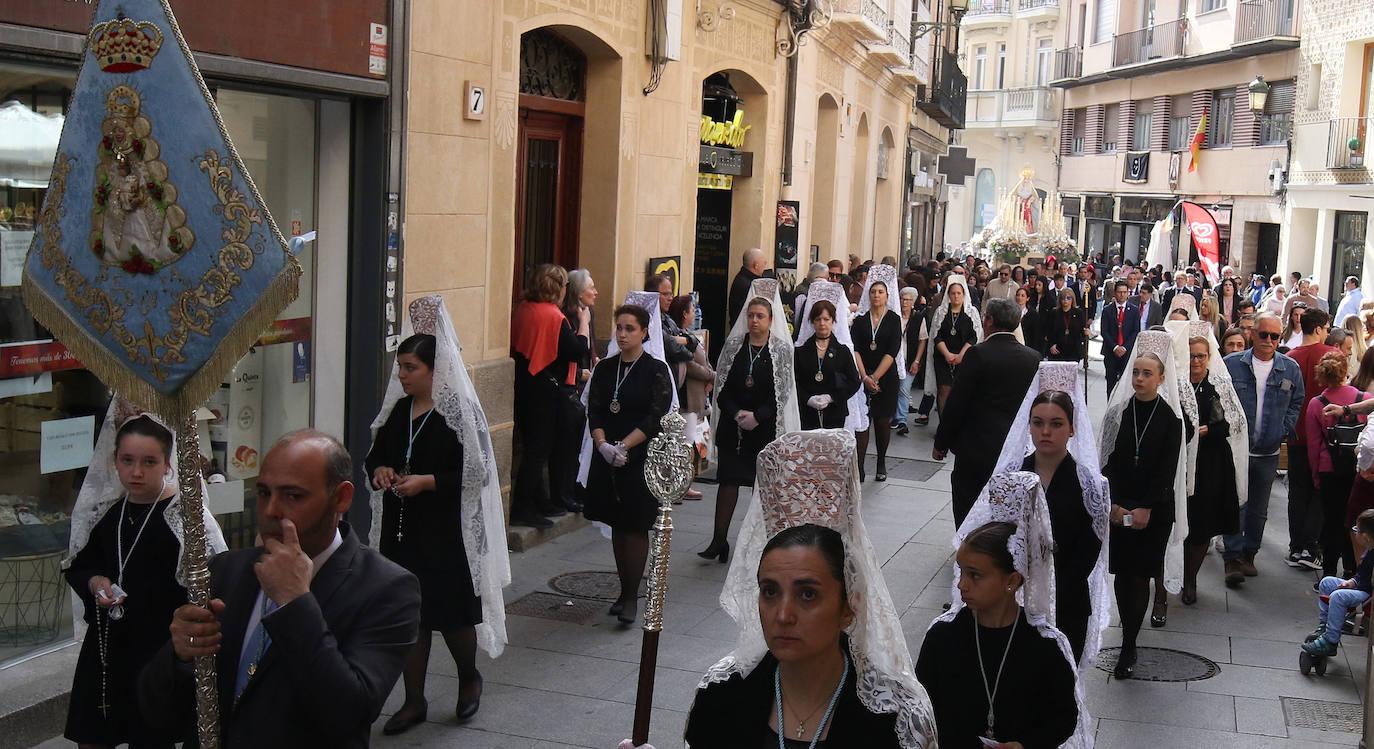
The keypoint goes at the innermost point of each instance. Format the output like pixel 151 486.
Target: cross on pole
pixel 956 167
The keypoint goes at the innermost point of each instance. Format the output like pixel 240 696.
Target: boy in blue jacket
pixel 1341 596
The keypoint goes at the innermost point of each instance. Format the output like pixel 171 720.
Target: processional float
pixel 155 260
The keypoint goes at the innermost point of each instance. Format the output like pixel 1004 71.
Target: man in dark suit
pixel 1119 326
pixel 988 390
pixel 751 269
pixel 1151 312
pixel 309 631
pixel 1188 286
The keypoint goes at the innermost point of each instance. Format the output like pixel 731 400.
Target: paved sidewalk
pixel 563 684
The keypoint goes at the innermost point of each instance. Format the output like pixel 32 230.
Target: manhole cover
pixel 559 608
pixel 1320 715
pixel 1162 664
pixel 604 586
pixel 904 468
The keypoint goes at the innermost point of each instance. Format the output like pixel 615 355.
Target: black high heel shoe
pixel 397 724
pixel 881 475
pixel 1125 664
pixel 1162 618
pixel 720 553
pixel 616 607
pixel 468 708
pixel 631 610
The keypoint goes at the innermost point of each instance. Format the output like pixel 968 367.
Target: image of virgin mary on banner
pixel 154 259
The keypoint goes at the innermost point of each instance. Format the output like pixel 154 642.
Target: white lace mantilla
pixel 812 477
pixel 857 420
pixel 887 276
pixel 482 515
pixel 941 312
pixel 1238 434
pixel 779 350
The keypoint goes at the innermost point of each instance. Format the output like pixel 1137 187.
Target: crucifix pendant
pixel 116 612
pixel 801 728
pixel 991 720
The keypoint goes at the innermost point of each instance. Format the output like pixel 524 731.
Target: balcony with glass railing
pixel 1152 43
pixel 1030 106
pixel 987 13
pixel 866 19
pixel 1259 21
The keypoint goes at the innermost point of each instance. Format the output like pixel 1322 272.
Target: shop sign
pixel 715 181
pixel 785 238
pixel 729 134
pixel 29 359
pixel 1100 206
pixel 716 160
pixel 66 444
pixel 286 331
pixel 671 267
pixel 376 49
pixel 1137 167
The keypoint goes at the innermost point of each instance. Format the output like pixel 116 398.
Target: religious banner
pixel 1137 167
pixel 1202 227
pixel 785 239
pixel 155 261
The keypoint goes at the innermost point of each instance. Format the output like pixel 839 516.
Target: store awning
pixel 28 143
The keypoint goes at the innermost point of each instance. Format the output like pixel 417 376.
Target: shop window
pixel 1180 132
pixel 1221 118
pixel 1143 125
pixel 1111 114
pixel 1347 250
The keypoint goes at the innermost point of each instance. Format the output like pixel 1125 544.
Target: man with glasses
pixel 1001 287
pixel 1270 389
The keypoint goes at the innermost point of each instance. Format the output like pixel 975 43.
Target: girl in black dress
pixel 826 375
pixel 1066 332
pixel 1214 504
pixel 990 669
pixel 747 415
pixel 1142 458
pixel 877 338
pixel 417 461
pixel 125 574
pixel 629 394
pixel 955 334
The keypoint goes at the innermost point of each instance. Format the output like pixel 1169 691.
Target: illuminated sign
pixel 730 134
pixel 715 181
pixel 716 160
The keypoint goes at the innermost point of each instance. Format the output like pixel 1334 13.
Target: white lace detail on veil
pixel 885 274
pixel 812 477
pixel 1017 497
pixel 857 420
pixel 101 490
pixel 1238 435
pixel 779 350
pixel 941 312
pixel 482 515
pixel 1160 344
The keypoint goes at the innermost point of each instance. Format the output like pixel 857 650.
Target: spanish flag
pixel 1196 148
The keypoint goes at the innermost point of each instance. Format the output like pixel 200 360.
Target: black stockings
pixel 727 496
pixel 631 553
pixel 462 645
pixel 882 429
pixel 1193 554
pixel 1132 599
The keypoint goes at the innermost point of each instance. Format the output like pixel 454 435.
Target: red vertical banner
pixel 1202 227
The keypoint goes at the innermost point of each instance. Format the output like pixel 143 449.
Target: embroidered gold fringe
pixel 115 373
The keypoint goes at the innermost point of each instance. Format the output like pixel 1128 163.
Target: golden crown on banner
pixel 125 46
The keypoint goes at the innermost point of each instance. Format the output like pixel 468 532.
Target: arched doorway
pixel 984 199
pixel 858 207
pixel 823 179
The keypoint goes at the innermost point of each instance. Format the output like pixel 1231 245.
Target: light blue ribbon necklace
pixel 801 725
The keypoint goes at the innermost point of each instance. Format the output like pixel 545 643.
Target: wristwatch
pixel 1345 410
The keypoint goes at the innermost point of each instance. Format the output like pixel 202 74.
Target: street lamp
pixel 1259 94
pixel 957 9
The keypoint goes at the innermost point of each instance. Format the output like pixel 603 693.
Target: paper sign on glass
pixel 66 444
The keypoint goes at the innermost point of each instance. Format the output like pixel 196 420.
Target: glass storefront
pixel 44 391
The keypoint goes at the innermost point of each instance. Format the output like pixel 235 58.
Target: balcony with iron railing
pixel 1068 63
pixel 1158 42
pixel 894 50
pixel 945 100
pixel 1266 20
pixel 987 13
pixel 1347 142
pixel 902 44
pixel 1034 9
pixel 866 19
pixel 1031 106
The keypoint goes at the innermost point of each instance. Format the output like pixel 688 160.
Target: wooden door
pixel 548 190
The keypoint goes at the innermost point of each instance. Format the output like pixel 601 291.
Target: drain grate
pixel 1162 664
pixel 559 608
pixel 905 468
pixel 603 586
pixel 1320 715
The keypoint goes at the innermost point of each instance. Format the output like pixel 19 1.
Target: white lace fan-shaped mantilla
pixel 1184 301
pixel 1020 443
pixel 887 276
pixel 1161 345
pixel 1219 377
pixel 648 301
pixel 942 312
pixel 1017 497
pixel 829 291
pixel 482 517
pixel 779 350
pixel 101 490
pixel 812 477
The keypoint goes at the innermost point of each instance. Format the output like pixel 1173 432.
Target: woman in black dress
pixel 955 334
pixel 1214 504
pixel 826 376
pixel 629 394
pixel 1032 333
pixel 125 574
pixel 747 415
pixel 877 338
pixel 417 461
pixel 1066 332
pixel 990 669
pixel 1141 465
